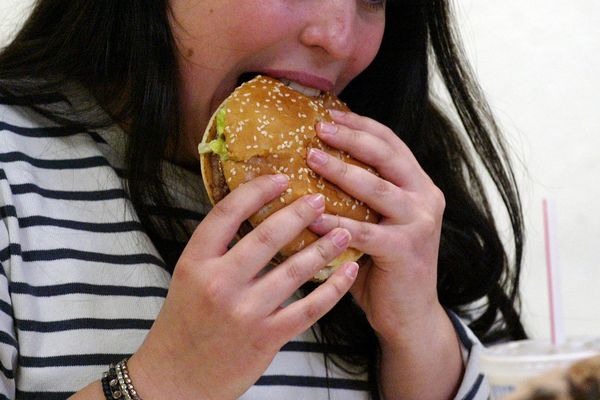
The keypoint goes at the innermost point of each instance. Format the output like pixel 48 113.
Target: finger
pixel 373 151
pixel 258 247
pixel 366 237
pixel 284 280
pixel 302 314
pixel 222 222
pixel 381 195
pixel 361 123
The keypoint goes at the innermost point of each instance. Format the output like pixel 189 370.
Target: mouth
pixel 305 90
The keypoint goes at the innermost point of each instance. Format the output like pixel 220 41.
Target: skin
pixel 220 325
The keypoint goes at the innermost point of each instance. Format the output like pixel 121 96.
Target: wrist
pixel 423 360
pixel 418 331
pixel 151 376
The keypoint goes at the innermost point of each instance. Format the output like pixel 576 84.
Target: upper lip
pixel 303 78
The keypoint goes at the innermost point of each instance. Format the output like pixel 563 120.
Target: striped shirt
pixel 81 282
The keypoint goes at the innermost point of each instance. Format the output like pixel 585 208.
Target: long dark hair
pixel 124 54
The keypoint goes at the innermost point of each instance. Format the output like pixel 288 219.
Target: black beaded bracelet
pixel 110 384
pixel 116 383
pixel 106 387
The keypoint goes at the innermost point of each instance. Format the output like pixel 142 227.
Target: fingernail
pixel 317 156
pixel 341 238
pixel 316 201
pixel 280 179
pixel 336 113
pixel 327 128
pixel 317 221
pixel 351 270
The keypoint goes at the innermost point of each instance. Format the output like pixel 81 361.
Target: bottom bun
pixel 348 255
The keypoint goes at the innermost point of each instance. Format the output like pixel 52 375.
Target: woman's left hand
pixel 398 289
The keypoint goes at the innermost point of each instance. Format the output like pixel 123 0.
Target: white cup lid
pixel 530 357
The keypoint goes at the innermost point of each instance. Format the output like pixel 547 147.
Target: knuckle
pixel 382 187
pixel 265 236
pixel 215 291
pixel 355 137
pixel 301 211
pixel 221 210
pixel 427 228
pixel 439 200
pixel 338 289
pixel 431 224
pixel 295 272
pixel 321 251
pixel 263 344
pixel 342 169
pixel 388 153
pixel 242 312
pixel 364 234
pixel 312 312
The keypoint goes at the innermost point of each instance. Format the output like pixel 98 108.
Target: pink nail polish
pixel 336 113
pixel 351 270
pixel 280 179
pixel 317 156
pixel 341 238
pixel 327 128
pixel 316 201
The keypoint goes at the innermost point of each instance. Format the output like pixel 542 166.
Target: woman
pixel 103 106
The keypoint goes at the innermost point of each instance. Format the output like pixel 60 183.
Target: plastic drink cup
pixel 507 365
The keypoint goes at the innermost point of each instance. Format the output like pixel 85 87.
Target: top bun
pixel 265 127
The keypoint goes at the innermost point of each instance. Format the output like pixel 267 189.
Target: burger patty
pixel 220 188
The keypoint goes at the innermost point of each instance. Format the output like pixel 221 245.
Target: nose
pixel 332 27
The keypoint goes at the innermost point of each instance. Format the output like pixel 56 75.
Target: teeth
pixel 310 92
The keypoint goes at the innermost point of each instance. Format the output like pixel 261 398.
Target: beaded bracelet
pixel 116 383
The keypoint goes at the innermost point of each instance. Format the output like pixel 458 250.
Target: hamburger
pixel 267 127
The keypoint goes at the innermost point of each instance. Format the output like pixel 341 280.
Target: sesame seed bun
pixel 268 129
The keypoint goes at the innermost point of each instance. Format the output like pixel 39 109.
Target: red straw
pixel 549 271
pixel 556 326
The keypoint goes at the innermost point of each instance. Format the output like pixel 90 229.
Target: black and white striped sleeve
pixel 474 386
pixel 8 342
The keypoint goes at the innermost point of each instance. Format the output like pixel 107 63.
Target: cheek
pixel 371 42
pixel 364 53
pixel 260 23
pixel 231 27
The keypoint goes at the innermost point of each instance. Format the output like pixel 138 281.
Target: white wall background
pixel 538 62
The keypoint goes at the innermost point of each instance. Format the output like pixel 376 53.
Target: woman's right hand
pixel 222 323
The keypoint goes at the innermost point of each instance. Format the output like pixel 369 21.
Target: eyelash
pixel 375 5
